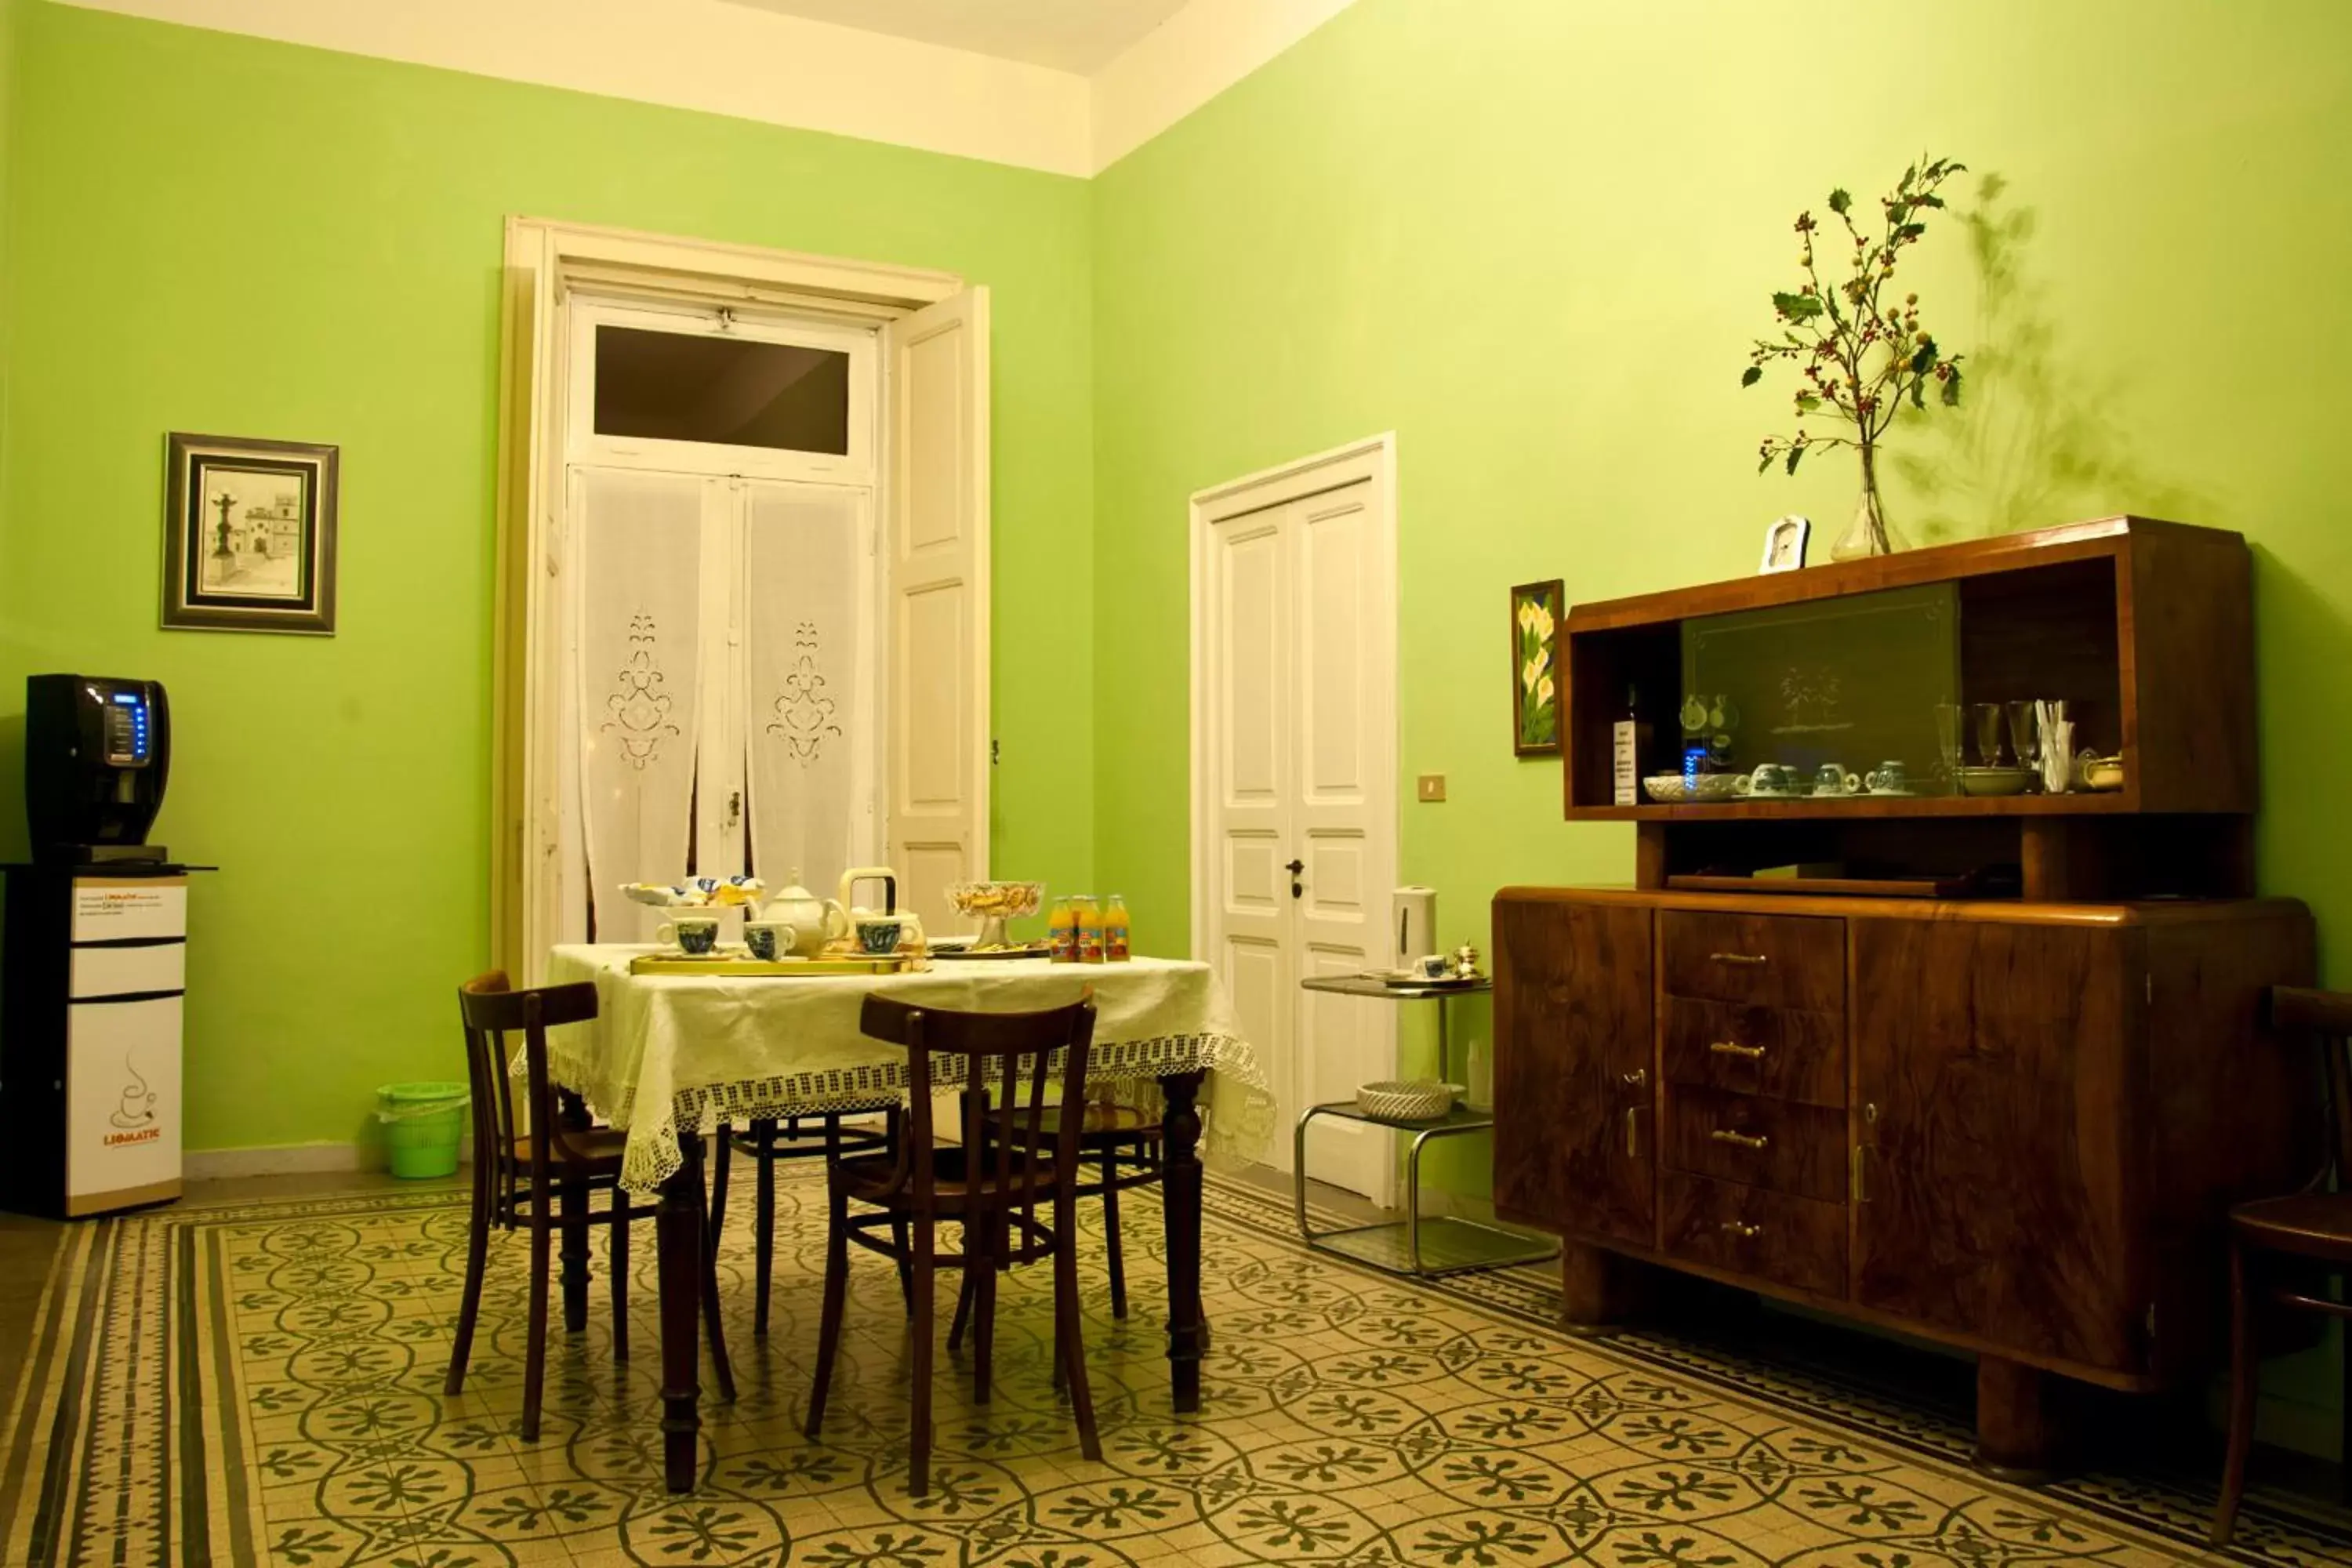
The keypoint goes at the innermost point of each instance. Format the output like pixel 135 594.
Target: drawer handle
pixel 1733 1049
pixel 1745 1140
pixel 1744 960
pixel 1744 1231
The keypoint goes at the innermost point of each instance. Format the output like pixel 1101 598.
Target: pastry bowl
pixel 993 903
pixel 1991 780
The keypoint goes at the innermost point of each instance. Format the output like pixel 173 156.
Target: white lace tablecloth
pixel 667 1052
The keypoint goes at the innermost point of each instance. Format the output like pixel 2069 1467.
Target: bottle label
pixel 1628 763
pixel 1115 946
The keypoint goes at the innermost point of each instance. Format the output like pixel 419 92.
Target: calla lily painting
pixel 1535 673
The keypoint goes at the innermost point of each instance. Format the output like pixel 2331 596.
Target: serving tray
pixel 742 965
pixel 976 954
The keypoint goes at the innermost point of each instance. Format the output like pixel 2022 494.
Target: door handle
pixel 1741 960
pixel 1733 1049
pixel 1742 1140
pixel 1741 1230
pixel 1295 868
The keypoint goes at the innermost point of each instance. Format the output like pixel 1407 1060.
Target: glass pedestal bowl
pixel 993 903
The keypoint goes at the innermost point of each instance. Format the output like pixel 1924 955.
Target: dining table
pixel 669 1057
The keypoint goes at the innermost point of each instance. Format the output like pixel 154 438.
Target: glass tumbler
pixel 1989 719
pixel 2025 740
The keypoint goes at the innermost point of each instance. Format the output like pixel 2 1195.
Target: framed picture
pixel 249 536
pixel 1535 668
pixel 1784 543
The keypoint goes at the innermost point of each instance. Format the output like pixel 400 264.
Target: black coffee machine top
pixel 98 751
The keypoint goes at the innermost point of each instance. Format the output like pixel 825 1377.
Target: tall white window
pixel 743 607
pixel 719 518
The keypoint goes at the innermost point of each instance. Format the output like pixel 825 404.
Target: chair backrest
pixel 2326 1014
pixel 1005 1062
pixel 491 1011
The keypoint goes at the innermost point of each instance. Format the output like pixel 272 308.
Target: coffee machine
pixel 93 958
pixel 98 751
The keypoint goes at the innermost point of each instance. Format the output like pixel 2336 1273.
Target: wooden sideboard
pixel 2012 1124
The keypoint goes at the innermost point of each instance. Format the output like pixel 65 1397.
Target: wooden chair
pixel 1121 1143
pixel 766 1143
pixel 544 1179
pixel 990 1185
pixel 2272 1239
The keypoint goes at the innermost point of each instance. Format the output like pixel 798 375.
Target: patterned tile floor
pixel 259 1383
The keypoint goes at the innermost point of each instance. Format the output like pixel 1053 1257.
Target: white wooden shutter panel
pixel 938 541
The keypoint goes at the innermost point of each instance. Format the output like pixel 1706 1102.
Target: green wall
pixel 1535 239
pixel 226 235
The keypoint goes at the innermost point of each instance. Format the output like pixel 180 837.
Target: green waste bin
pixel 422 1125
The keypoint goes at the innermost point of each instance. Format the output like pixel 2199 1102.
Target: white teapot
pixel 815 920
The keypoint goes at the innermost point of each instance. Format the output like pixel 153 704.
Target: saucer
pixel 1889 793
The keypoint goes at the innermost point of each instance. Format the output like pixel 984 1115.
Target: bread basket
pixel 1419 1100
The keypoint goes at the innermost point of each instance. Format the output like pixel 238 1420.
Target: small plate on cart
pixel 1407 979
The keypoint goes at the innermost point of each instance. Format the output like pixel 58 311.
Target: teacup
pixel 1770 778
pixel 769 940
pixel 1888 777
pixel 1433 966
pixel 1831 779
pixel 696 934
pixel 879 937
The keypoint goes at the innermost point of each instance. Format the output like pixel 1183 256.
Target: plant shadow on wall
pixel 2033 445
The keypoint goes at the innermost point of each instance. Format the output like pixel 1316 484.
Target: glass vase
pixel 1868 534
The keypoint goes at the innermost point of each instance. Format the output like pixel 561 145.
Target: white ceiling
pixel 1077 36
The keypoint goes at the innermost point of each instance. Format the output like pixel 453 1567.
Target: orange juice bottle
pixel 1118 944
pixel 1090 930
pixel 1062 931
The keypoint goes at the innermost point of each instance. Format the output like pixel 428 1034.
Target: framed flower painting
pixel 1535 614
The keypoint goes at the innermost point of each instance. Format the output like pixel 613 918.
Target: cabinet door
pixel 1993 1081
pixel 1574 1130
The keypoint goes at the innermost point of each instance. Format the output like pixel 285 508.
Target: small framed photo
pixel 249 536
pixel 1535 615
pixel 1784 543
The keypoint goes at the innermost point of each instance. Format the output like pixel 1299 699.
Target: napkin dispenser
pixel 1414 922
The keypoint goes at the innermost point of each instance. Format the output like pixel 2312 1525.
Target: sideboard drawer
pixel 1775 1143
pixel 1766 961
pixel 1775 1051
pixel 1793 1241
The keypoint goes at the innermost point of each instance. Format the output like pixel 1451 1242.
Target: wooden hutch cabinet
pixel 1985 1068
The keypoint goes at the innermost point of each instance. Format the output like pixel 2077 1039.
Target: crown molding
pixel 704 55
pixel 1187 61
pixel 765 66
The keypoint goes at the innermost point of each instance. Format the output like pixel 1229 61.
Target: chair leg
pixel 918 1437
pixel 962 1318
pixel 763 1239
pixel 572 1203
pixel 721 1368
pixel 983 1327
pixel 2244 1370
pixel 1069 1333
pixel 469 1305
pixel 899 1238
pixel 1110 1236
pixel 534 1361
pixel 837 1290
pixel 722 1154
pixel 617 1264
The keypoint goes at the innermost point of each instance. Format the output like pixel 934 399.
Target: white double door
pixel 724 713
pixel 1294 638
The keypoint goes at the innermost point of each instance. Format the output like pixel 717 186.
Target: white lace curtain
pixel 804 638
pixel 671 695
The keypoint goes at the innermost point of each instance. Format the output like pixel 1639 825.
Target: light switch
pixel 1433 788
